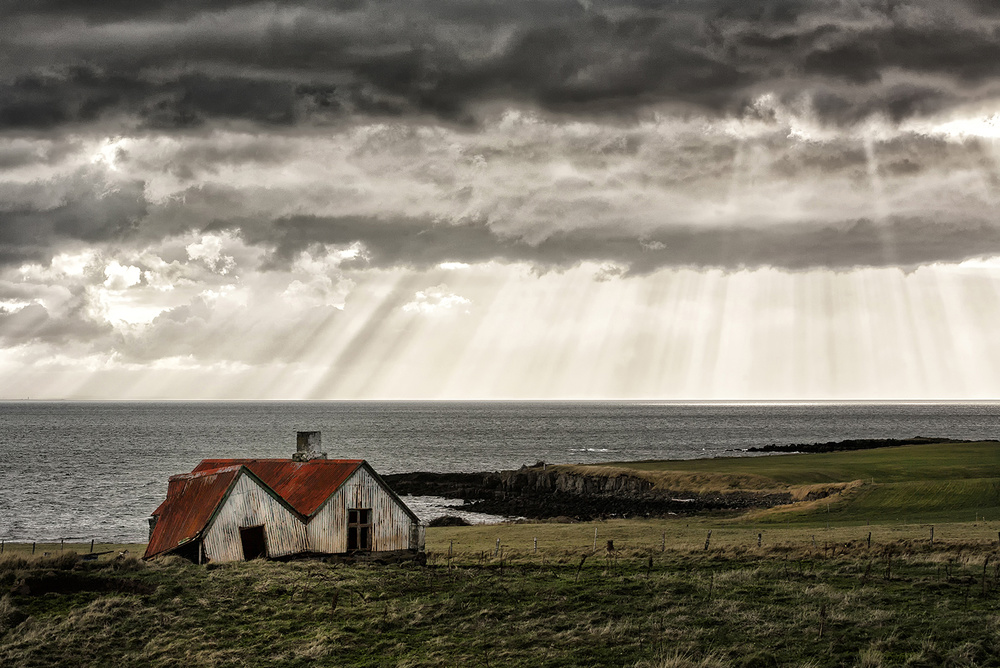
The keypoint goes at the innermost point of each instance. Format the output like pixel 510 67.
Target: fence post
pixel 536 545
pixel 498 548
pixel 91 545
pixel 595 539
pixel 32 547
pixel 663 542
pixel 708 538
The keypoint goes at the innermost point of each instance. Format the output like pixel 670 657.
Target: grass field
pixel 950 482
pixel 901 567
pixel 901 602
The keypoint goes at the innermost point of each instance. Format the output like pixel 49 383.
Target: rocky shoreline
pixel 545 492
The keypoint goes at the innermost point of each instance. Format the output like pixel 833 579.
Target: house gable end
pixel 263 485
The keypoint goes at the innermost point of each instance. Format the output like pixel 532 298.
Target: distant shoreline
pixel 859 444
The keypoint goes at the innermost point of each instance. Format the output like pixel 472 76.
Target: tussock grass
pixel 782 605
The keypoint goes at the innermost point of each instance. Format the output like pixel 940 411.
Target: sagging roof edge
pixel 243 470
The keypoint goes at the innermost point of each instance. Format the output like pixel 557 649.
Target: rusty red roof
pixel 191 501
pixel 304 485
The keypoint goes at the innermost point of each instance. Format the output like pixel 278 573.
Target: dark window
pixel 254 545
pixel 359 529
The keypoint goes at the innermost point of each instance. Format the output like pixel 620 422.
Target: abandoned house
pixel 235 509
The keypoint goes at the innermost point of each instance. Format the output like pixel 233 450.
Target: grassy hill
pixel 949 482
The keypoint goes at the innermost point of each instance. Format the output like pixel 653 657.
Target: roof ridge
pixel 206 472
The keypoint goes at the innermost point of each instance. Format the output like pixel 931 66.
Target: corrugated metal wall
pixel 390 523
pixel 250 505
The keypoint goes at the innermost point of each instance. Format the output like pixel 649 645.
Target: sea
pixel 82 471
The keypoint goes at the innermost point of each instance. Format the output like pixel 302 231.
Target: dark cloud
pixel 182 64
pixel 35 324
pixel 37 218
pixel 897 241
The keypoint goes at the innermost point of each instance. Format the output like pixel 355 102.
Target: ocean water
pixel 82 470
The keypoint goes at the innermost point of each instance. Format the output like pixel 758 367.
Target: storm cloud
pixel 348 183
pixel 179 65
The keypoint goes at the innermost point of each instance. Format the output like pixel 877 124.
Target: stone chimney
pixel 307 444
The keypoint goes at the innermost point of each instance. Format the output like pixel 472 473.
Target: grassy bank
pixel 932 483
pixel 899 603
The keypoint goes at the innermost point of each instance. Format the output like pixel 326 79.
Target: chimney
pixel 307 444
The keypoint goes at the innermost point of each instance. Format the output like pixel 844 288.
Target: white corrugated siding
pixel 250 505
pixel 390 523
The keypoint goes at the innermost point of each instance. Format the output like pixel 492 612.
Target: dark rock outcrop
pixel 448 521
pixel 853 444
pixel 541 492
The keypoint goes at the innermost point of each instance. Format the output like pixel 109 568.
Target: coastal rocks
pixel 549 479
pixel 447 485
pixel 448 521
pixel 542 492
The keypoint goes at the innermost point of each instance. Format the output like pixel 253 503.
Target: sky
pixel 486 199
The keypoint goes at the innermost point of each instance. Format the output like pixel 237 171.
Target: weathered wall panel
pixel 250 505
pixel 391 525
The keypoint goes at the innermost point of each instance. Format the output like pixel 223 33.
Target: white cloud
pixel 121 277
pixel 209 251
pixel 73 264
pixel 111 153
pixel 437 299
pixel 318 279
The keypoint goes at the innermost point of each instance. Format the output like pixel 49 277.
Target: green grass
pixel 923 501
pixel 951 482
pixel 915 606
pixel 104 551
pixel 945 461
pixel 687 536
